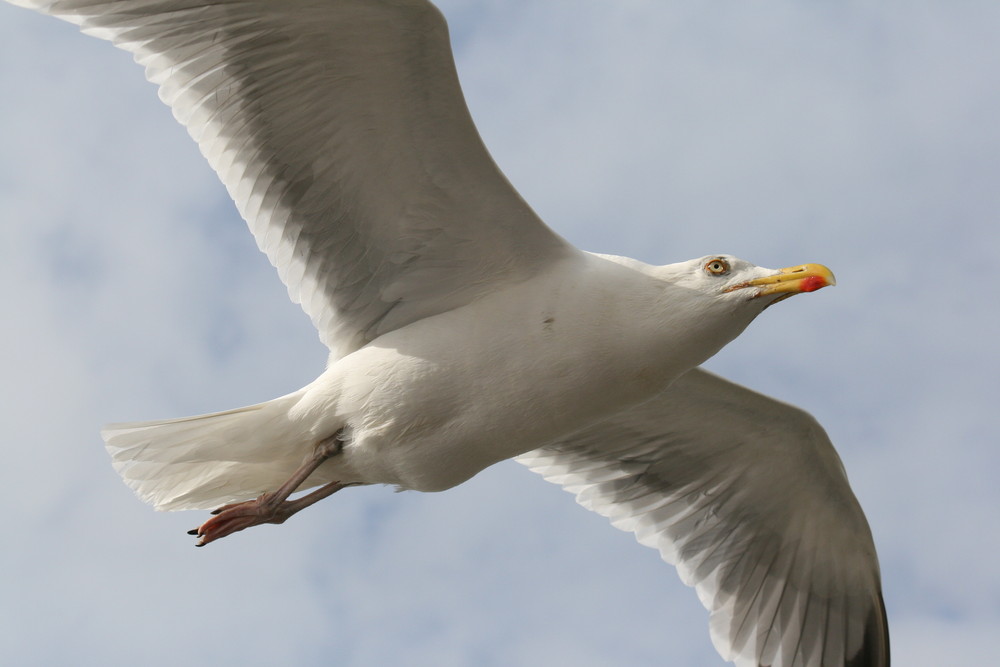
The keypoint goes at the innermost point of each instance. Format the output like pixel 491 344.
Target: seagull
pixel 463 331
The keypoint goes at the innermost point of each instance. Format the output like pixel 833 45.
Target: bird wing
pixel 748 498
pixel 340 130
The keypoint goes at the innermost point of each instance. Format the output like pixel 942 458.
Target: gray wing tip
pixel 874 651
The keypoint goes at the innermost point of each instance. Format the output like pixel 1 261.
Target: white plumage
pixel 463 331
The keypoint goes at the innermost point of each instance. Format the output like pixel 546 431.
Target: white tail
pixel 209 460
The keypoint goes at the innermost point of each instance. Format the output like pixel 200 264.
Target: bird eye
pixel 717 266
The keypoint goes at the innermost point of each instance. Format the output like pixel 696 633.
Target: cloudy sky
pixel 863 135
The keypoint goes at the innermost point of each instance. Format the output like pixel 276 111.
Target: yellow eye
pixel 717 266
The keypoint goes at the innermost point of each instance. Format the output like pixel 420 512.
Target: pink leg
pixel 273 507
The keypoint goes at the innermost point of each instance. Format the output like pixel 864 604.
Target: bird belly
pixel 431 422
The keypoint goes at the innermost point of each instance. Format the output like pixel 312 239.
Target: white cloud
pixel 863 136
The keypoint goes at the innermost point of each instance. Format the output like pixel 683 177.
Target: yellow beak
pixel 794 280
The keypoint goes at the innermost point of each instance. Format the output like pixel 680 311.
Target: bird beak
pixel 790 281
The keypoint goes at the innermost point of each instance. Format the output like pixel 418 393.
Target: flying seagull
pixel 463 331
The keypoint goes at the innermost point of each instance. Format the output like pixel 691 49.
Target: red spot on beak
pixel 812 283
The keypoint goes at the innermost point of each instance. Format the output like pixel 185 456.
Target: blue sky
pixel 857 134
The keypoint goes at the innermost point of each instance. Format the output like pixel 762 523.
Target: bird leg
pixel 273 507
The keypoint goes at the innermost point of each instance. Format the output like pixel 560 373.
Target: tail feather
pixel 208 460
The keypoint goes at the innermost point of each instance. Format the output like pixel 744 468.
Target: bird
pixel 463 331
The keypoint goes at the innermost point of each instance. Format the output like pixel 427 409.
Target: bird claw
pixel 230 519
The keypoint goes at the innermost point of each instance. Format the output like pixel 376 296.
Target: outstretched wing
pixel 340 130
pixel 747 497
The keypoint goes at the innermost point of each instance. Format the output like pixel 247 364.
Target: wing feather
pixel 748 498
pixel 340 130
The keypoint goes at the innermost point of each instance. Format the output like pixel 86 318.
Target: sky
pixel 862 135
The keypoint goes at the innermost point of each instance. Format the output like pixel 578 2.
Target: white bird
pixel 463 331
